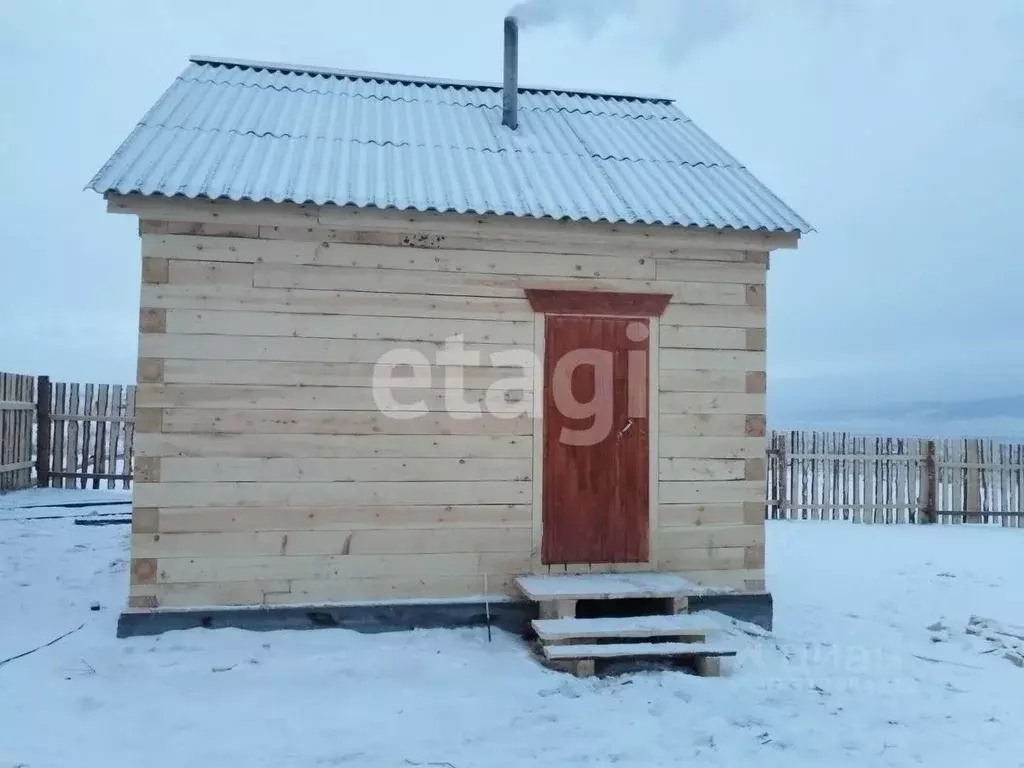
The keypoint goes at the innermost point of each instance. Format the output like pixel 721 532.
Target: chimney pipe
pixel 510 101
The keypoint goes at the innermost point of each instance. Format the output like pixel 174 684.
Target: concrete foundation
pixel 512 617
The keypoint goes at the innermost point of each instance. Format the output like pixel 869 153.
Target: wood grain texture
pixel 287 349
pixel 291 422
pixel 358 470
pixel 703 381
pixel 326 567
pixel 428 282
pixel 725 403
pixel 316 302
pixel 344 518
pixel 400 402
pixel 567 302
pixel 323 374
pixel 595 486
pixel 361 541
pixel 312 494
pixel 716 492
pixel 374 446
pixel 246 323
pixel 274 478
pixel 556 236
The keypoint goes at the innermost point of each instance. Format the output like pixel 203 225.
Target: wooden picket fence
pixel 81 436
pixel 65 435
pixel 837 476
pixel 86 435
pixel 17 429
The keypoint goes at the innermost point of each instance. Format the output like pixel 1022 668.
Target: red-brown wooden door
pixel 596 454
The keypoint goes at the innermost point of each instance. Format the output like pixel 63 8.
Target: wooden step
pixel 581 660
pixel 680 626
pixel 606 586
pixel 634 651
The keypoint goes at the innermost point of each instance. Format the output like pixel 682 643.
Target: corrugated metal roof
pixel 228 129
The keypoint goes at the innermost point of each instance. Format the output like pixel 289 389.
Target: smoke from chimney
pixel 540 13
pixel 676 27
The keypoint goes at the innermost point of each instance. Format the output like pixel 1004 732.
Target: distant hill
pixel 996 417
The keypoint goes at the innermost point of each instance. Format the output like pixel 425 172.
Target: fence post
pixel 930 490
pixel 973 502
pixel 43 431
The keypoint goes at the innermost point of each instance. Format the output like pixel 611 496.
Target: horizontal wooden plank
pixel 720 559
pixel 679 625
pixel 319 470
pixel 701 425
pixel 700 359
pixel 629 267
pixel 205 594
pixel 371 256
pixel 709 538
pixel 237 298
pixel 711 272
pixel 394 588
pixel 701 469
pixel 213 519
pixel 16 405
pixel 275 348
pixel 207 273
pixel 677 249
pixel 329 494
pixel 746 580
pixel 269 372
pixel 702 381
pixel 241 250
pixel 191 321
pixel 17 465
pixel 671 446
pixel 447 284
pixel 242 421
pixel 209 594
pixel 413 225
pixel 91 417
pixel 397 400
pixel 337 518
pixel 317 567
pixel 700 515
pixel 636 651
pixel 725 403
pixel 698 337
pixel 212 446
pixel 710 316
pixel 711 492
pixel 387 541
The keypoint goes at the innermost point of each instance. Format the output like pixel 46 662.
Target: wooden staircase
pixel 576 644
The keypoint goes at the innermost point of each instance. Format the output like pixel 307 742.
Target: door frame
pixel 595 304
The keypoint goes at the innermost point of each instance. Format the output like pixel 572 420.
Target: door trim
pixel 537 506
pixel 558 302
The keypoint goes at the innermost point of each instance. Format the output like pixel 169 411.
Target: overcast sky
pixel 895 126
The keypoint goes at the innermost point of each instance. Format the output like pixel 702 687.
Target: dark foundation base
pixel 512 617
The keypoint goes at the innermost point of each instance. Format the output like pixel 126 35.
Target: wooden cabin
pixel 306 233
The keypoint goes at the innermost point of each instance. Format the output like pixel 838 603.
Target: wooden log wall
pixel 17 426
pixel 838 476
pixel 254 490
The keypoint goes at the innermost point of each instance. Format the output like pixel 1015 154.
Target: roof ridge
pixel 352 74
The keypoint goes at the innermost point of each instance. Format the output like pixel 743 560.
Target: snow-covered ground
pixel 852 674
